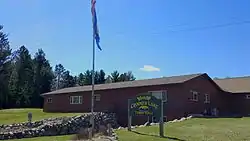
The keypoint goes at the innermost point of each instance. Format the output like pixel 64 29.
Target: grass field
pixel 21 115
pixel 220 129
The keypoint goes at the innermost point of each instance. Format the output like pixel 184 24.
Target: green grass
pixel 220 129
pixel 10 116
pixel 48 138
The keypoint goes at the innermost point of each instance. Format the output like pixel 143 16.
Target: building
pixel 185 94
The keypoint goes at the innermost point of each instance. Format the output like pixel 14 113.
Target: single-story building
pixel 183 95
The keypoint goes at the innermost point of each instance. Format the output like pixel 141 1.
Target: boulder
pixel 57 126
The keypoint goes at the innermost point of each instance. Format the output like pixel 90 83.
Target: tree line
pixel 24 78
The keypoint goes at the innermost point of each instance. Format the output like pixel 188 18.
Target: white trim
pixel 75 100
pixel 207 98
pixel 193 96
pixel 248 96
pixel 49 100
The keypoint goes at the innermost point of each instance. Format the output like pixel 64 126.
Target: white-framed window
pixel 75 99
pixel 248 96
pixel 159 95
pixel 195 96
pixel 49 100
pixel 207 98
pixel 97 97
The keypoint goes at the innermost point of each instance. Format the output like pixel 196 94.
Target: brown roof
pixel 136 83
pixel 234 85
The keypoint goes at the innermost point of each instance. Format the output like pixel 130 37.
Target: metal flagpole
pixel 93 83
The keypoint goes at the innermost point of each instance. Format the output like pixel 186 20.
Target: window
pixel 160 95
pixel 207 98
pixel 97 97
pixel 49 100
pixel 247 96
pixel 194 96
pixel 75 99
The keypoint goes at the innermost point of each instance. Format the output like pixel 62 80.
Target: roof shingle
pixel 234 85
pixel 127 84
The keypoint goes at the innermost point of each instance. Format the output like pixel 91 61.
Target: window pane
pixel 80 99
pixel 76 99
pixel 157 94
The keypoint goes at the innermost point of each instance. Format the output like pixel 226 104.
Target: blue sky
pixel 157 34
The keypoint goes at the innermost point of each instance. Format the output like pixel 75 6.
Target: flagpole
pixel 93 83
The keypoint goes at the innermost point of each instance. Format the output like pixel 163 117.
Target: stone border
pixel 152 124
pixel 55 126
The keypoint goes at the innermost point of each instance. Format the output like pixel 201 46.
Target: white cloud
pixel 149 68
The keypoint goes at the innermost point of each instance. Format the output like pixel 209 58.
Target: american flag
pixel 94 20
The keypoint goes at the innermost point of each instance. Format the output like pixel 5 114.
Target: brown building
pixel 185 94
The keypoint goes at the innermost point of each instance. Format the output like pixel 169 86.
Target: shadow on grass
pixel 171 138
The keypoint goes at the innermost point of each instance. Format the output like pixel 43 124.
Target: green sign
pixel 145 105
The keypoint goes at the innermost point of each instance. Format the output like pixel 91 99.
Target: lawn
pixel 220 129
pixel 10 116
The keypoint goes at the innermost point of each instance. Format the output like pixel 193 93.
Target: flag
pixel 94 21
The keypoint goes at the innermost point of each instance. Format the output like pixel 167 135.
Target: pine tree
pixel 43 76
pixel 59 70
pixel 80 79
pixel 115 76
pixel 25 83
pixel 4 69
pixel 67 80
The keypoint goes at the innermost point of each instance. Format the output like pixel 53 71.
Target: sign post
pixel 161 118
pixel 147 105
pixel 129 115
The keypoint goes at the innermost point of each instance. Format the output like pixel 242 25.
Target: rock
pixel 57 126
pixel 151 124
pixel 141 126
pixel 147 124
pixel 182 119
pixel 119 128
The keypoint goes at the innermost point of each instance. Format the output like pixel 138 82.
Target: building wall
pixel 117 101
pixel 179 101
pixel 239 104
pixel 204 85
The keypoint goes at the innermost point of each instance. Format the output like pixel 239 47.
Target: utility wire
pixel 214 26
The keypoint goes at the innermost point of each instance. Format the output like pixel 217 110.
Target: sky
pixel 151 38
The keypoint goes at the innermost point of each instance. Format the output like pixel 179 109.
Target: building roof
pixel 127 84
pixel 234 85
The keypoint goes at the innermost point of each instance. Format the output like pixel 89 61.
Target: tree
pixel 115 76
pixel 101 77
pixel 67 80
pixel 80 79
pixel 43 76
pixel 59 70
pixel 127 76
pixel 87 77
pixel 4 69
pixel 13 86
pixel 22 84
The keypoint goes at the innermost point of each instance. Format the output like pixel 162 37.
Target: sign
pixel 145 105
pixel 149 105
